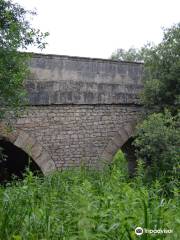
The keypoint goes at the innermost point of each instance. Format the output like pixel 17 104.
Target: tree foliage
pixel 162 72
pixel 157 138
pixel 131 55
pixel 161 69
pixel 16 33
pixel 157 143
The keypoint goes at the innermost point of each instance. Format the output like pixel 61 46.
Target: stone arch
pixel 29 145
pixel 119 139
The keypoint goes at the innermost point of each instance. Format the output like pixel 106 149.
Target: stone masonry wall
pixel 77 110
pixel 75 134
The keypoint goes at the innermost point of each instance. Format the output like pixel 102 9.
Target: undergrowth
pixel 85 204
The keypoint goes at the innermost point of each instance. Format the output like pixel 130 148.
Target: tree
pixel 157 140
pixel 16 33
pixel 162 72
pixel 161 69
pixel 157 137
pixel 131 55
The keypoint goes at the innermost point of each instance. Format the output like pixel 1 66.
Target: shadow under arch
pixel 121 140
pixel 129 153
pixel 30 146
pixel 15 162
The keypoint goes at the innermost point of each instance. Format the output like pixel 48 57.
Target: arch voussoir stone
pixel 48 166
pixel 29 145
pixel 24 141
pixel 111 147
pixel 129 128
pixel 119 139
pixel 37 150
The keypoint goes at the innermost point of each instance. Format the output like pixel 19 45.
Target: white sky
pixel 96 28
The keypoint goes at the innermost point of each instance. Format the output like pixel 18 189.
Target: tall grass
pixel 86 205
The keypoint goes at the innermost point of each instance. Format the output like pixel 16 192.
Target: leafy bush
pixel 84 204
pixel 157 143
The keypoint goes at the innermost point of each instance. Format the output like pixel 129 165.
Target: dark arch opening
pixel 129 151
pixel 15 162
pixel 127 157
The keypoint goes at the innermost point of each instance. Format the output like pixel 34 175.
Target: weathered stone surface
pixel 72 134
pixel 48 167
pixel 9 134
pixel 129 128
pixel 81 110
pixel 118 139
pixel 111 148
pixel 36 151
pixel 22 140
pixel 45 163
pixel 124 134
pixel 74 80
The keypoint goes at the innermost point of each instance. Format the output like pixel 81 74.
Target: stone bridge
pixel 81 111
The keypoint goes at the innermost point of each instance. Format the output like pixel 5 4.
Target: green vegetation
pixel 162 72
pixel 16 33
pixel 161 69
pixel 157 142
pixel 132 55
pixel 87 205
pixel 158 137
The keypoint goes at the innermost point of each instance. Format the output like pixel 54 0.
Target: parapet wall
pixel 58 80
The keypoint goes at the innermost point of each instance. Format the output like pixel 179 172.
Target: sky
pixel 96 28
